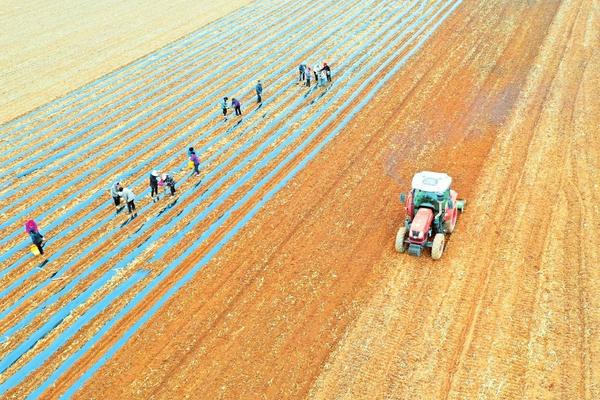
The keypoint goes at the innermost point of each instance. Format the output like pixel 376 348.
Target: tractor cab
pixel 431 209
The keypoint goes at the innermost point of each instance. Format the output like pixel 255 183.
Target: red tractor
pixel 431 212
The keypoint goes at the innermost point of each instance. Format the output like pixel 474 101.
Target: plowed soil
pixel 310 299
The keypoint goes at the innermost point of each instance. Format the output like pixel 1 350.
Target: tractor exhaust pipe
pixel 439 212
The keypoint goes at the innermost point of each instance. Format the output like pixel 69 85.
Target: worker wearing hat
pixel 154 185
pixel 114 192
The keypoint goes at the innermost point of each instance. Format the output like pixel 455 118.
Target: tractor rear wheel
pixel 437 249
pixel 400 247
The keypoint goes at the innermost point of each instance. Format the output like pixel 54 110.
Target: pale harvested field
pixel 274 274
pixel 52 47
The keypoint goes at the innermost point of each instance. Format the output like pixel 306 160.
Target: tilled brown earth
pixel 311 300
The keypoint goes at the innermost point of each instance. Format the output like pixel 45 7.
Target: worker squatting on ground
pixel 36 237
pixel 129 197
pixel 168 182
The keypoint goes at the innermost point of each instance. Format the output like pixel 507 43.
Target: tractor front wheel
pixel 400 247
pixel 437 249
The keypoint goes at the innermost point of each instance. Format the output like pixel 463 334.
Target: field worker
pixel 196 161
pixel 316 70
pixel 190 151
pixel 154 185
pixel 259 92
pixel 235 103
pixel 308 73
pixel 169 183
pixel 322 78
pixel 162 183
pixel 327 70
pixel 129 197
pixel 114 192
pixel 34 233
pixel 31 226
pixel 302 72
pixel 224 107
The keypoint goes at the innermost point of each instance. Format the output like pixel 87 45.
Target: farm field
pixel 50 48
pixel 273 274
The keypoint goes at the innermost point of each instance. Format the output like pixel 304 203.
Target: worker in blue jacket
pixel 259 90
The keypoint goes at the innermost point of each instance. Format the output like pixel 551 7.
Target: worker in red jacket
pixel 327 70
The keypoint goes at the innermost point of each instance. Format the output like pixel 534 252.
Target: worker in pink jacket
pixel 34 233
